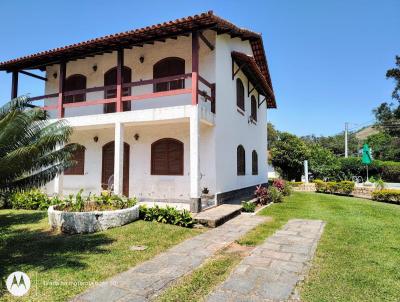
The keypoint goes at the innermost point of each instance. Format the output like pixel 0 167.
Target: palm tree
pixel 32 149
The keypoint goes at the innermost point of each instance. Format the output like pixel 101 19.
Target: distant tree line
pixel 325 153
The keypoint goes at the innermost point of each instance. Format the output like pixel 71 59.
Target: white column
pixel 59 184
pixel 194 153
pixel 118 157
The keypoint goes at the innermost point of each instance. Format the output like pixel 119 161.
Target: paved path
pixel 272 270
pixel 143 282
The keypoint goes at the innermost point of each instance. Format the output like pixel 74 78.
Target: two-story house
pixel 162 111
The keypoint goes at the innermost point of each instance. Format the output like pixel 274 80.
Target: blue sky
pixel 327 59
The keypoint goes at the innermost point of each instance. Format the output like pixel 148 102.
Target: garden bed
pixel 89 222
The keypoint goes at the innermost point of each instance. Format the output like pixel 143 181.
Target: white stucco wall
pixel 152 53
pixel 218 141
pixel 141 183
pixel 232 128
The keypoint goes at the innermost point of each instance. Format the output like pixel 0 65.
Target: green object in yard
pixel 366 155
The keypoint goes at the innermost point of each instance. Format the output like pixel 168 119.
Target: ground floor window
pixel 79 157
pixel 167 157
pixel 254 159
pixel 241 160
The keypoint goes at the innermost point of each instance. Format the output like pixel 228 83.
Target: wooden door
pixel 107 169
pixel 110 78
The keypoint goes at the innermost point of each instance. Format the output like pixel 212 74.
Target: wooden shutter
pixel 167 157
pixel 254 163
pixel 72 83
pixel 241 160
pixel 254 107
pixel 79 168
pixel 169 67
pixel 110 78
pixel 240 94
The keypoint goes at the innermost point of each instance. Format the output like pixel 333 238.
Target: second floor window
pixel 110 78
pixel 169 67
pixel 253 108
pixel 72 83
pixel 240 94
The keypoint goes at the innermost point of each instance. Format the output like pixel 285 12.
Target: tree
pixel 272 135
pixel 394 73
pixel 384 146
pixel 32 150
pixel 322 162
pixel 288 154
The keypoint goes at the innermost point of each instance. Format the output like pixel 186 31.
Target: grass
pixel 357 258
pixel 62 266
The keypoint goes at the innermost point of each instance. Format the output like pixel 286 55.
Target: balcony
pixel 171 91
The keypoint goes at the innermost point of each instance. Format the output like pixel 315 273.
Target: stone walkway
pixel 272 270
pixel 147 280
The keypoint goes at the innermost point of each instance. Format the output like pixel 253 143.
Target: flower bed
pixel 387 195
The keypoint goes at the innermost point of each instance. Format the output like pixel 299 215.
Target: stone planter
pixel 90 222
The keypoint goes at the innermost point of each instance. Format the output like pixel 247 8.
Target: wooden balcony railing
pixel 206 90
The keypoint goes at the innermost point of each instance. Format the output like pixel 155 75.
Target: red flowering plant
pixel 279 184
pixel 261 193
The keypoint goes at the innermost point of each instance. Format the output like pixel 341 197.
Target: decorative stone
pixel 90 222
pixel 138 247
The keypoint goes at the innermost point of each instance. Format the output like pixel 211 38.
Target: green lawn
pixel 358 257
pixel 75 262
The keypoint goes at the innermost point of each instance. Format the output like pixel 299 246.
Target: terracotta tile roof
pixel 253 72
pixel 142 36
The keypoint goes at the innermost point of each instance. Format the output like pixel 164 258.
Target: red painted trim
pixel 205 82
pixel 120 64
pixel 158 80
pixel 61 87
pixel 156 94
pixel 51 107
pixel 90 103
pixel 195 67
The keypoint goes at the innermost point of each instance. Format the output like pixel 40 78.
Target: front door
pixel 107 167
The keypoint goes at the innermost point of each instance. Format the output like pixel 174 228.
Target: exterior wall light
pixel 96 139
pixel 136 136
pixel 55 75
pixel 94 67
pixel 141 59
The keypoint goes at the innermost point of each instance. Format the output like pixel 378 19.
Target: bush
pixel 274 195
pixel 344 187
pixel 30 200
pixel 261 194
pixel 248 207
pixel 105 201
pixel 167 215
pixel 296 184
pixel 387 195
pixel 283 186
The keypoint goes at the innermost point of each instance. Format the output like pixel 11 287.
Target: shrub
pixel 274 195
pixel 283 186
pixel 30 200
pixel 105 201
pixel 341 187
pixel 261 194
pixel 296 184
pixel 387 195
pixel 248 206
pixel 167 215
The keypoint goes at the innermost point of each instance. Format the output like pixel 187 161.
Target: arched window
pixel 79 157
pixel 240 94
pixel 75 82
pixel 169 67
pixel 241 160
pixel 110 78
pixel 167 157
pixel 254 163
pixel 253 108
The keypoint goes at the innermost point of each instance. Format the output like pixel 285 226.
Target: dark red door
pixel 110 78
pixel 107 169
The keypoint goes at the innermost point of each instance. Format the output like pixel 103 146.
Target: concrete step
pixel 218 215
